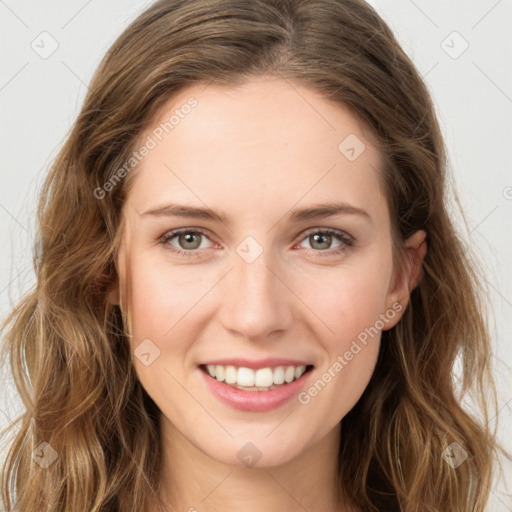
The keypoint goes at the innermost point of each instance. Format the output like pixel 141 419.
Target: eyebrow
pixel 316 211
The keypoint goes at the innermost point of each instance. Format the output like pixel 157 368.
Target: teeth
pixel 244 377
pixel 230 375
pixel 264 377
pixel 279 375
pixel 219 372
pixel 289 374
pixel 255 379
pixel 299 371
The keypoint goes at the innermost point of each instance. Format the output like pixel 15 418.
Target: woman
pixel 249 292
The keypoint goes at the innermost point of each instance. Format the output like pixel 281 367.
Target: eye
pixel 188 239
pixel 321 241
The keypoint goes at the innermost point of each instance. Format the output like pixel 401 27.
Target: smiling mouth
pixel 247 379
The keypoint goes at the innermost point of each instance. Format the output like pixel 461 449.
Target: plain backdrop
pixel 463 49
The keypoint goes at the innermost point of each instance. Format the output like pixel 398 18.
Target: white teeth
pixel 264 377
pixel 289 374
pixel 245 377
pixel 230 375
pixel 260 379
pixel 219 372
pixel 279 375
pixel 299 371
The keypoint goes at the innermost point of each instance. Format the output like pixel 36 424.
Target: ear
pixel 409 276
pixel 113 294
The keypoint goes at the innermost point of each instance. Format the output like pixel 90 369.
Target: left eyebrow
pixel 319 211
pixel 316 211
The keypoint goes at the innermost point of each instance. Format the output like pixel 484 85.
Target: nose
pixel 256 299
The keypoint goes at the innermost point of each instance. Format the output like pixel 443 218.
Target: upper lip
pixel 255 364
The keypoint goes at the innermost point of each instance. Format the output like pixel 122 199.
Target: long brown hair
pixel 68 346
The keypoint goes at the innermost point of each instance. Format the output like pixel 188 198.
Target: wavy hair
pixel 68 347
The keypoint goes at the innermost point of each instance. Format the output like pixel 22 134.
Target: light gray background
pixel 40 98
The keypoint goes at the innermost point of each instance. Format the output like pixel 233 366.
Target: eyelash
pixel 347 241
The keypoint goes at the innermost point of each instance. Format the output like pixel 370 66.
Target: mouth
pixel 261 379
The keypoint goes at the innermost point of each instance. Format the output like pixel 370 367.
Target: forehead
pixel 268 142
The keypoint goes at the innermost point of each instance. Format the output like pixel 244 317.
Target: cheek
pixel 351 310
pixel 161 296
pixel 348 299
pixel 162 302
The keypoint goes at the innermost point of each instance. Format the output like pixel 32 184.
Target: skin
pixel 256 153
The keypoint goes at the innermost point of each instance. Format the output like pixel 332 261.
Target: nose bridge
pixel 256 302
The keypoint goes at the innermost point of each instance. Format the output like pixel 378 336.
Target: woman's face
pixel 279 277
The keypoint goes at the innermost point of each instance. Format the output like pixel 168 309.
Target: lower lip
pixel 255 401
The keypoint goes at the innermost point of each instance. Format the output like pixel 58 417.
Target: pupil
pixel 189 238
pixel 325 237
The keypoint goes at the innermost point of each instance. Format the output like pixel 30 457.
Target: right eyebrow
pixel 178 210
